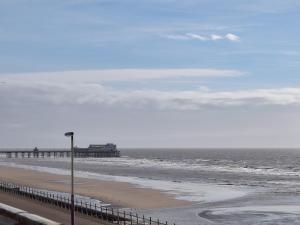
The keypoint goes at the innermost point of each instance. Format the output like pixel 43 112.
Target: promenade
pixel 6 221
pixel 45 210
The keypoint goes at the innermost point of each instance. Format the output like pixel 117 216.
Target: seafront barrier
pixel 85 207
pixel 22 217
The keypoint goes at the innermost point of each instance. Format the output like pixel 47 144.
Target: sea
pixel 224 186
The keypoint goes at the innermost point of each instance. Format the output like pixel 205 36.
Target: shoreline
pixel 120 194
pixel 190 191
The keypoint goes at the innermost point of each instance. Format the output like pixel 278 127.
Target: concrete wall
pixel 24 217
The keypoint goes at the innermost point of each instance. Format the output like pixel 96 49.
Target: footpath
pixel 46 211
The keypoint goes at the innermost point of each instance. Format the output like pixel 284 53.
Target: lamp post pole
pixel 71 134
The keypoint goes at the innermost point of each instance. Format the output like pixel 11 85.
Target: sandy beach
pixel 117 193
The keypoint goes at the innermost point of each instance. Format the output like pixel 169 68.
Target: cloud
pixel 88 87
pixel 212 37
pixel 96 76
pixel 178 37
pixel 216 37
pixel 196 37
pixel 232 37
pixel 183 100
pixel 91 93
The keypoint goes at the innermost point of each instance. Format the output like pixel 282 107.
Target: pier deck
pixel 54 153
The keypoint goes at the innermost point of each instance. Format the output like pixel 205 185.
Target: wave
pixel 198 164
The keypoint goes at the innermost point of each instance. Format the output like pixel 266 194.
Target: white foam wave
pixel 187 164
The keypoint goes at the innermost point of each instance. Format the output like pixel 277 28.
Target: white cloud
pixel 232 37
pixel 196 37
pixel 212 37
pixel 96 76
pixel 178 37
pixel 215 37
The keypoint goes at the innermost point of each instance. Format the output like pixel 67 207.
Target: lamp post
pixel 71 134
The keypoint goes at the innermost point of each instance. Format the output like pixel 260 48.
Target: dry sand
pixel 117 193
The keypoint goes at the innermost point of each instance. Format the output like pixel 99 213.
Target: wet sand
pixel 117 193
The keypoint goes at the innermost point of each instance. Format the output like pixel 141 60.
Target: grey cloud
pixel 91 93
pixel 38 112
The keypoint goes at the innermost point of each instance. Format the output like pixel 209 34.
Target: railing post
pixel 150 221
pixel 130 218
pixel 91 208
pixel 106 213
pixel 101 210
pixel 118 216
pixel 124 218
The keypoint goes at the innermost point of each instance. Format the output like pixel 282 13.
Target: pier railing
pixel 56 153
pixel 85 207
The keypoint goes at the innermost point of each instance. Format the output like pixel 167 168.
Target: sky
pixel 150 73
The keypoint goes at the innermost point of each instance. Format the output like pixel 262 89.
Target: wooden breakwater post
pixel 87 208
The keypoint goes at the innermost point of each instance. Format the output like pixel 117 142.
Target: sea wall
pixel 23 217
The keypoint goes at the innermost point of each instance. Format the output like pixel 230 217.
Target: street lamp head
pixel 69 134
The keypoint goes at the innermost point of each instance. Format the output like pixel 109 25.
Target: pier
pixel 93 151
pixel 27 153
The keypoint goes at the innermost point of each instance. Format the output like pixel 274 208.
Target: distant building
pixel 96 150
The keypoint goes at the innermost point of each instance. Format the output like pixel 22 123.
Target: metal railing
pixel 86 207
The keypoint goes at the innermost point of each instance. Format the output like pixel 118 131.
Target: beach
pixel 119 194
